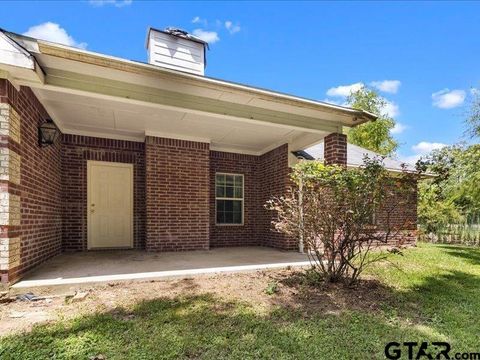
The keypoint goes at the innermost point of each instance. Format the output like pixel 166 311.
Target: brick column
pixel 335 149
pixel 177 194
pixel 274 181
pixel 10 161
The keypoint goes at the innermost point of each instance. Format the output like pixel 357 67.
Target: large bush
pixel 333 213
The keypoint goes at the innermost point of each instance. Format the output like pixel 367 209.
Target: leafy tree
pixel 434 210
pixel 473 119
pixel 332 212
pixel 374 135
pixel 453 195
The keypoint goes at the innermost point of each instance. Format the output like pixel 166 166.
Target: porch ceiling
pixel 111 118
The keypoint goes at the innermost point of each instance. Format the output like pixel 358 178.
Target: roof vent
pixel 176 49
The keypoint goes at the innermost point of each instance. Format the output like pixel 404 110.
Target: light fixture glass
pixel 47 133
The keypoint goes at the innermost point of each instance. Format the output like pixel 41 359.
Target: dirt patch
pixel 331 298
pixel 291 292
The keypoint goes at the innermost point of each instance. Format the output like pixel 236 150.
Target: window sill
pixel 229 224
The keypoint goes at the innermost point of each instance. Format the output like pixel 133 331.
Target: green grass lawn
pixel 431 293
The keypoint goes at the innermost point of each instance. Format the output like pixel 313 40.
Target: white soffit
pixel 77 114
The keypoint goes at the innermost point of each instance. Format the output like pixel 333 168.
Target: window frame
pixel 242 199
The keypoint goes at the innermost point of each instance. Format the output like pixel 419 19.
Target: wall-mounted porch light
pixel 47 133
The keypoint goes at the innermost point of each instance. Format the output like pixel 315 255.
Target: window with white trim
pixel 229 199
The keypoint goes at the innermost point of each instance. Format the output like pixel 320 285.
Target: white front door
pixel 110 204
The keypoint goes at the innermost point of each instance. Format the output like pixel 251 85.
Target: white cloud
pixel 232 29
pixel 388 86
pixel 53 32
pixel 199 20
pixel 411 159
pixel 344 90
pixel 446 99
pixel 391 109
pixel 208 36
pixel 116 3
pixel 420 150
pixel 398 128
pixel 424 147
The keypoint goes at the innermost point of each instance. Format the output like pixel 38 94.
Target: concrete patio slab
pixel 125 265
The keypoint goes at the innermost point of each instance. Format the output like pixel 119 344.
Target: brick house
pixel 152 156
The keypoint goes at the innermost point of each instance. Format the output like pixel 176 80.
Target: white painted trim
pixel 229 198
pixel 234 150
pixel 176 136
pixel 139 138
pixel 90 163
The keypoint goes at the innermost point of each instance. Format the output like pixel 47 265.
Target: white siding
pixel 176 53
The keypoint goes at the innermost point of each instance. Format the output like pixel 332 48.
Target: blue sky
pixel 423 57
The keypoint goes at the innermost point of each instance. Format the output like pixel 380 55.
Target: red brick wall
pixel 76 151
pixel 400 212
pixel 236 235
pixel 335 149
pixel 273 172
pixel 177 194
pixel 40 185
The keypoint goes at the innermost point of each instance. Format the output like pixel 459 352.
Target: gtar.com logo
pixel 414 350
pixel 424 350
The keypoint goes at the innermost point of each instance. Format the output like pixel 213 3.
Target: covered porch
pixel 144 159
pixel 121 265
